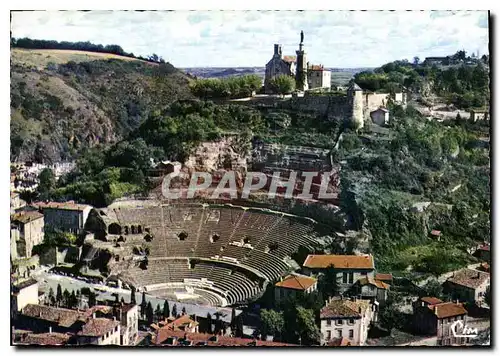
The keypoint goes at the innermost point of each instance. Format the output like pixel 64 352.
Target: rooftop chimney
pixel 50 329
pixel 93 315
pixel 277 50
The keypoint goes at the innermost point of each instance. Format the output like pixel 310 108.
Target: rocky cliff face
pixel 61 109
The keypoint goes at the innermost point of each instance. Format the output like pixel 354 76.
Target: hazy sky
pixel 246 38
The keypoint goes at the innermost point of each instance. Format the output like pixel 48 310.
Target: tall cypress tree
pixel 174 311
pixel 143 305
pixel 166 309
pixel 132 296
pixel 59 295
pixel 158 312
pixel 209 323
pixel 149 313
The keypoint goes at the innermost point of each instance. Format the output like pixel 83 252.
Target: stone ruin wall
pixel 210 156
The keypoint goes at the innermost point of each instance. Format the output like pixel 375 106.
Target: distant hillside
pixel 340 76
pixel 63 101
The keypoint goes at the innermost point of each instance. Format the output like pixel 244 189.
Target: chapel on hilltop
pixel 306 76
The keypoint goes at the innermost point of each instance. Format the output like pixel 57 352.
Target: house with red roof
pixel 293 285
pixel 432 316
pixel 346 318
pixel 348 268
pixel 467 285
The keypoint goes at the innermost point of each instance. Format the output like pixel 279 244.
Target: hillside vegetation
pixel 64 101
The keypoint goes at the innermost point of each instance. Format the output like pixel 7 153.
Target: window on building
pixel 350 322
pixel 338 322
pixel 328 335
pixel 344 277
pixel 364 274
pixel 351 334
pixel 351 277
pixel 329 322
pixel 339 333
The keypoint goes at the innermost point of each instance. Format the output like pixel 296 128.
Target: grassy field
pixel 40 58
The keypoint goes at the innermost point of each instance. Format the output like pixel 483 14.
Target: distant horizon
pixel 231 39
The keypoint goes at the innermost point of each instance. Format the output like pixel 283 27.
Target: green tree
pixel 92 299
pixel 183 310
pixel 132 295
pixel 272 323
pixel 149 313
pixel 432 289
pixel 328 285
pixel 416 60
pixel 158 313
pixel 59 295
pixel 166 309
pixel 73 300
pixel 67 298
pixel 52 300
pixel 209 323
pixel 309 333
pixel 143 304
pixel 47 182
pixel 487 296
pixel 233 320
pixel 174 311
pixel 282 84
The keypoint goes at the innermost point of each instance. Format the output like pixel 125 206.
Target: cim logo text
pixel 459 329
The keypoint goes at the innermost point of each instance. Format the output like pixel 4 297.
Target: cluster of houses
pixel 345 320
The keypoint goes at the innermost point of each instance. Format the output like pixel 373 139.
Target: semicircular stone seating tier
pixel 226 241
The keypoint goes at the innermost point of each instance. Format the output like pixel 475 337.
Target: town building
pixel 23 337
pixel 346 318
pixel 306 76
pixel 380 116
pixel 432 316
pixel 293 285
pixel 68 216
pixel 348 268
pixel 173 338
pixel 467 285
pixel 372 289
pixel 99 331
pixel 384 277
pixel 129 320
pixel 483 252
pixel 16 202
pixel 24 293
pixel 319 77
pixel 279 65
pixel 479 115
pixel 27 230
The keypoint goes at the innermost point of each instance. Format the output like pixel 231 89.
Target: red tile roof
pixel 98 327
pixel 383 277
pixel 63 317
pixel 469 278
pixel 373 282
pixel 46 339
pixel 431 300
pixel 26 216
pixel 164 334
pixel 485 267
pixel 297 282
pixel 446 310
pixel 181 322
pixel 290 59
pixel 485 248
pixel 316 67
pixel 339 261
pixel 344 308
